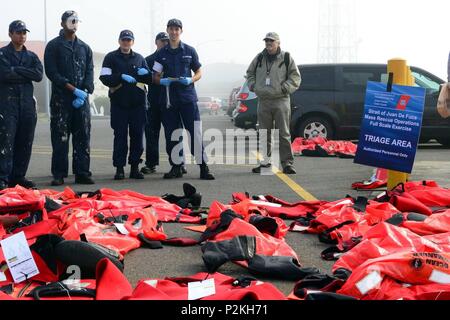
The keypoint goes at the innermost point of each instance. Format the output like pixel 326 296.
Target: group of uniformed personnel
pixel 170 99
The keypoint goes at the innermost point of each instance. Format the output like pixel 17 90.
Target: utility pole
pixel 337 38
pixel 157 20
pixel 46 86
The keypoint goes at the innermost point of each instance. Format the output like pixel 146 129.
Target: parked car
pixel 245 114
pixel 330 101
pixel 204 104
pixel 215 106
pixel 232 101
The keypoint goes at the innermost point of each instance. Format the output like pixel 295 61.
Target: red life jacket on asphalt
pixel 436 223
pixel 417 268
pixel 226 288
pixel 266 244
pixel 390 289
pixel 384 239
pixel 18 200
pixel 419 197
pixel 276 207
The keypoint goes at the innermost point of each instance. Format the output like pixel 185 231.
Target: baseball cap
pixel 175 23
pixel 17 26
pixel 162 36
pixel 69 13
pixel 272 36
pixel 126 34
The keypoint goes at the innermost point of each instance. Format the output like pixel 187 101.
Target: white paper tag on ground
pixel 299 228
pixel 18 256
pixel 2 276
pixel 201 289
pixel 121 228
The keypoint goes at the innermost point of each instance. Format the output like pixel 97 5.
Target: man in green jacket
pixel 274 76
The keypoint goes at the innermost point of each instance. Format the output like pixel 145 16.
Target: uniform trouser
pixel 65 121
pixel 276 114
pixel 190 119
pixel 17 125
pixel 126 121
pixel 152 130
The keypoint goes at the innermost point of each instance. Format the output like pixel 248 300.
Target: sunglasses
pixel 269 40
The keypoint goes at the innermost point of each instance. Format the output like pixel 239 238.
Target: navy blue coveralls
pixel 69 62
pixel 128 104
pixel 154 119
pixel 176 63
pixel 17 110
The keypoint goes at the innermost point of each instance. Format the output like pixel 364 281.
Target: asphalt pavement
pixel 322 178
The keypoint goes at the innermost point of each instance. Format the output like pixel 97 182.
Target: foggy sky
pixel 232 30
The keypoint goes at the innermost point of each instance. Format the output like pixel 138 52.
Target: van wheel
pixel 444 141
pixel 315 127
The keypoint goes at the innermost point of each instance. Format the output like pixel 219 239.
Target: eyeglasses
pixel 126 40
pixel 269 40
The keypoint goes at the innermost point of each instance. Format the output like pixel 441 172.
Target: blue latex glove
pixel 185 81
pixel 143 72
pixel 128 78
pixel 80 94
pixel 78 103
pixel 165 82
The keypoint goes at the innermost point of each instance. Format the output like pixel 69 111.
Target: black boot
pixel 174 173
pixel 135 173
pixel 83 179
pixel 23 182
pixel 120 174
pixel 205 174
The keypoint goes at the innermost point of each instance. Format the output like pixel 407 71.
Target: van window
pixel 425 82
pixel 420 79
pixel 356 79
pixel 315 79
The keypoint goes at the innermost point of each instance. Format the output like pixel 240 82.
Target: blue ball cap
pixel 18 26
pixel 126 34
pixel 69 13
pixel 175 23
pixel 162 36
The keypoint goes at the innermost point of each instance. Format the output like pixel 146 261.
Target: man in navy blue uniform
pixel 153 125
pixel 125 72
pixel 18 68
pixel 69 66
pixel 173 69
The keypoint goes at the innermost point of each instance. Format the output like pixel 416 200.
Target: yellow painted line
pixel 290 183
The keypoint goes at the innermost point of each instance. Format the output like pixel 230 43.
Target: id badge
pixel 267 81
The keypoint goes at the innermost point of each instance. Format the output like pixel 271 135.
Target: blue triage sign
pixel 390 127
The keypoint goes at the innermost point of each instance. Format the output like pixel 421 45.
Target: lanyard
pixel 269 67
